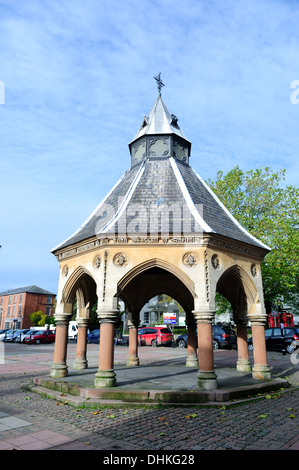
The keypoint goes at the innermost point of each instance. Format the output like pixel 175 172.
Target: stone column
pixel 206 378
pixel 243 363
pixel 59 367
pixel 105 376
pixel 192 360
pixel 260 370
pixel 133 359
pixel 81 359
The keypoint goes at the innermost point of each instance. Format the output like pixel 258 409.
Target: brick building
pixel 16 305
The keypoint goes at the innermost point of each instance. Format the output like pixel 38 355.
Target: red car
pixel 155 336
pixel 45 336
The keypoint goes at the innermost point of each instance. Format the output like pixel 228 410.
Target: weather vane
pixel 159 82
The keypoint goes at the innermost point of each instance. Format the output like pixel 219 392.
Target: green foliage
pixel 222 304
pixel 38 318
pixel 50 321
pixel 269 211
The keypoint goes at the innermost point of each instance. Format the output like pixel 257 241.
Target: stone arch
pixel 236 285
pixel 81 284
pixel 155 277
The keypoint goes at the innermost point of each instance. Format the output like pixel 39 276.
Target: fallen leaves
pixel 191 416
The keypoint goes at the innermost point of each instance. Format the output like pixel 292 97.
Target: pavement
pixel 265 420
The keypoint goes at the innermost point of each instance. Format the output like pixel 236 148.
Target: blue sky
pixel 78 79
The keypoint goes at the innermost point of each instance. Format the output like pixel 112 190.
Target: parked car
pixel 43 336
pixel 24 334
pixel 155 336
pixel 4 333
pixel 94 337
pixel 17 336
pixel 10 335
pixel 279 339
pixel 223 337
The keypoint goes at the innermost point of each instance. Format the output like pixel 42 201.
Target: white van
pixel 73 330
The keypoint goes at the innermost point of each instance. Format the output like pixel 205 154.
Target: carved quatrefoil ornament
pixel 190 259
pixel 120 260
pixel 97 262
pixel 215 261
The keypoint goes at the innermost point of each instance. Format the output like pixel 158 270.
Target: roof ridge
pixel 20 290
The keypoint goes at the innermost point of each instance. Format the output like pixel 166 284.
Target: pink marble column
pixel 81 358
pixel 105 376
pixel 243 362
pixel 59 367
pixel 206 378
pixel 192 360
pixel 133 359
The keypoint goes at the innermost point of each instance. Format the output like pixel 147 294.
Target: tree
pixel 268 210
pixel 37 318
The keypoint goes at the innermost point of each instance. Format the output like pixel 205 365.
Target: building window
pixel 15 299
pixel 13 310
pixel 48 311
pixel 21 297
pixel 9 300
pixel 8 311
pixel 20 309
pixel 49 300
pixel 1 302
pixel 146 317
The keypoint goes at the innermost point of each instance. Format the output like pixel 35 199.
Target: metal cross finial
pixel 159 82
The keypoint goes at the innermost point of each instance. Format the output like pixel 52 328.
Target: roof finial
pixel 159 82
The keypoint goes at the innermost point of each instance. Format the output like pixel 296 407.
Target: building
pixel 16 305
pixel 160 230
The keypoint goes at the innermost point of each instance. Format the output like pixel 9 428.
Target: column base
pixel 207 380
pixel 133 361
pixel 243 365
pixel 59 370
pixel 105 378
pixel 261 372
pixel 192 361
pixel 80 363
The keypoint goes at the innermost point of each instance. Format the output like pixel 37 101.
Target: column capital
pixel 257 319
pixel 82 322
pixel 62 318
pixel 107 316
pixel 204 315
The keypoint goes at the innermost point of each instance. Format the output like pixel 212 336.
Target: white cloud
pixel 78 79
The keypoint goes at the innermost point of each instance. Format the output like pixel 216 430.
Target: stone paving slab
pixel 267 423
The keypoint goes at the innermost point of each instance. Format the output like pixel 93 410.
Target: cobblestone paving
pixel 268 423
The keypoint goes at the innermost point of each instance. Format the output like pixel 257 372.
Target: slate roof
pixel 160 184
pixel 28 289
pixel 159 121
pixel 156 183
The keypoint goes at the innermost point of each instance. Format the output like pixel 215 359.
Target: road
pixel 267 423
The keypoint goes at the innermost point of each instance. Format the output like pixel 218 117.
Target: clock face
pixel 139 153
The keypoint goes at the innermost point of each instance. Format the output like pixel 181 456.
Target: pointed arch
pixel 157 263
pixel 155 277
pixel 81 284
pixel 237 286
